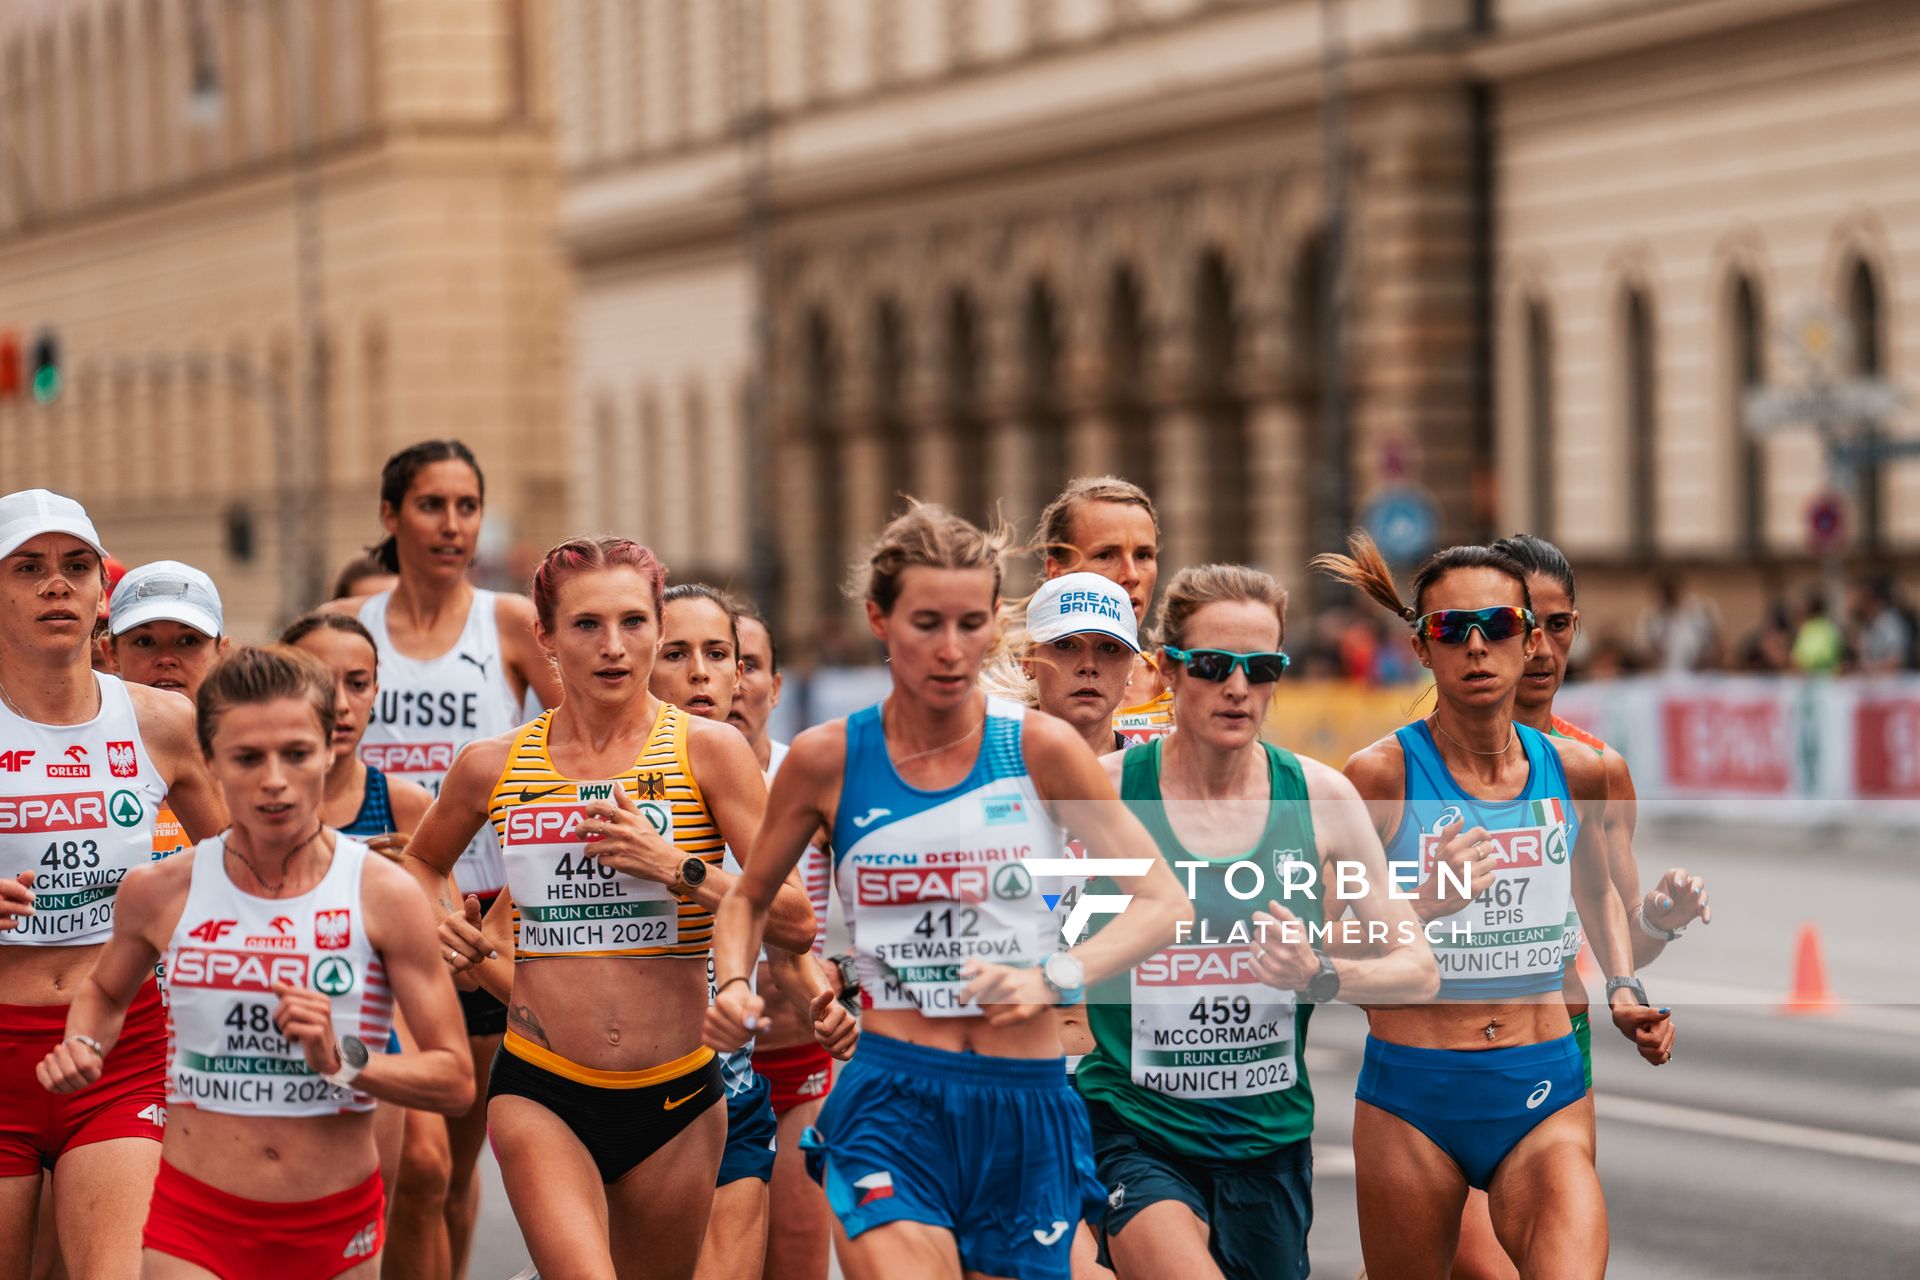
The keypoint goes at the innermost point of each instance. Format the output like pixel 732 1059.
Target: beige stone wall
pixel 159 249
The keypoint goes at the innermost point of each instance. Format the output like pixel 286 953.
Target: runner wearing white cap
pixel 166 629
pixel 85 762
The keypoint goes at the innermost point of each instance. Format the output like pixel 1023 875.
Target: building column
pixel 1280 483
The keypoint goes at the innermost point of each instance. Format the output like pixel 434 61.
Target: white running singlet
pixel 77 808
pixel 428 709
pixel 226 954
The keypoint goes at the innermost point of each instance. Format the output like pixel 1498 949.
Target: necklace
pixel 15 707
pixel 1513 736
pixel 930 751
pixel 227 843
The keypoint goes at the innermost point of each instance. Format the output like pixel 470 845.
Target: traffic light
pixel 46 368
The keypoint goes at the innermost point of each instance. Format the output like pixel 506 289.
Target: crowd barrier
pixel 1768 748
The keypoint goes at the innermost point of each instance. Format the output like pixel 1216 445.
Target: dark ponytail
pixel 1537 555
pixel 397 477
pixel 1366 569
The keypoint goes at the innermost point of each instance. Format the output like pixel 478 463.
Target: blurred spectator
pixel 1681 631
pixel 363 575
pixel 1606 657
pixel 1886 637
pixel 1769 647
pixel 1819 646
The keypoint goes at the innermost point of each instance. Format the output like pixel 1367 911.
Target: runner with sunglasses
pixel 952 1143
pixel 1106 525
pixel 1197 1089
pixel 1659 916
pixel 1484 1087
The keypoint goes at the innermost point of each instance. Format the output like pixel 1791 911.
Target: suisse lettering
pixel 428 709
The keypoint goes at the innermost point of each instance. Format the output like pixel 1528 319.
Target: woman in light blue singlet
pixel 1484 1087
pixel 952 1141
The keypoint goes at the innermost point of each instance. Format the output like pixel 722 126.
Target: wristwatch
pixel 1066 975
pixel 353 1060
pixel 1628 984
pixel 1323 986
pixel 693 874
pixel 849 981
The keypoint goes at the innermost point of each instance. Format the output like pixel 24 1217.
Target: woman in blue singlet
pixel 952 1142
pixel 1497 829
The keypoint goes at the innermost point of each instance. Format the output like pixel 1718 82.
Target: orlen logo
pixel 903 886
pixel 547 824
pixel 281 939
pixel 15 761
pixel 75 767
pixel 236 970
pixel 32 814
pixel 1196 967
pixel 408 757
pixel 1512 850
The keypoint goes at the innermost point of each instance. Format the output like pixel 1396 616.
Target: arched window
pixel 1041 410
pixel 823 402
pixel 1126 353
pixel 1223 413
pixel 964 417
pixel 889 380
pixel 1639 398
pixel 1746 371
pixel 1541 442
pixel 1864 318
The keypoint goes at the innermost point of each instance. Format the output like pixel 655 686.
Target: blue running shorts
pixel 751 1131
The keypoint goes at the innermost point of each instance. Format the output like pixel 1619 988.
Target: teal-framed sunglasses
pixel 1453 626
pixel 1218 665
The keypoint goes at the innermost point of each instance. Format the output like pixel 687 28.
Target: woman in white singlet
pixel 288 946
pixel 456 665
pixel 86 762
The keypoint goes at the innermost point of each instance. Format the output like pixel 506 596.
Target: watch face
pixel 1064 971
pixel 353 1051
pixel 693 871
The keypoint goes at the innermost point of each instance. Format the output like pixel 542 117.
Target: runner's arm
pixel 409 802
pixel 736 792
pixel 1685 895
pixel 513 618
pixel 149 897
pixel 437 1074
pixel 454 817
pixel 168 729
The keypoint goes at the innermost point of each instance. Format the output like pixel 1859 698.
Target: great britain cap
pixel 1074 603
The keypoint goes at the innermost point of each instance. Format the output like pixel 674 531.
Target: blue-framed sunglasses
pixel 1218 665
pixel 1453 626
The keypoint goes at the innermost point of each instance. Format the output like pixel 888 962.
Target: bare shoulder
pixel 1324 782
pixel 148 891
pixel 480 764
pixel 166 720
pixel 388 883
pixel 1379 771
pixel 818 754
pixel 1115 765
pixel 513 613
pixel 1048 732
pixel 717 744
pixel 1586 770
pixel 409 801
pixel 1619 776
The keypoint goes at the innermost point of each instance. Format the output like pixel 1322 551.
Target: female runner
pixel 86 762
pixel 288 946
pixel 456 665
pixel 1210 1144
pixel 1660 916
pixel 1105 525
pixel 1484 1088
pixel 612 809
pixel 951 1143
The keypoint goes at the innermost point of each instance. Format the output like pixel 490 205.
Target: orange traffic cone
pixel 1810 993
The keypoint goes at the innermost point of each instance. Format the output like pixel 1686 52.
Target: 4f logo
pixel 213 930
pixel 15 761
pixel 1090 904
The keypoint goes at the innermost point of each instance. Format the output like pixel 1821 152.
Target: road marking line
pixel 1773 1133
pixel 1901 1019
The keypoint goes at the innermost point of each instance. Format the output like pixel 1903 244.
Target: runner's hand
pixel 1282 956
pixel 306 1017
pixel 1651 1030
pixel 627 842
pixel 736 1014
pixel 1008 996
pixel 389 846
pixel 16 900
pixel 1677 901
pixel 836 1030
pixel 463 945
pixel 1471 857
pixel 71 1066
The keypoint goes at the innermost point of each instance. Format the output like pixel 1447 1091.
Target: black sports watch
pixel 849 981
pixel 1323 986
pixel 1628 984
pixel 693 874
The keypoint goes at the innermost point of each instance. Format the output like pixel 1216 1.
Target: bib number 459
pixel 1220 1011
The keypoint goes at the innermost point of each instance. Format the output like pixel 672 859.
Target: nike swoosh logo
pixel 528 797
pixel 671 1103
pixel 870 817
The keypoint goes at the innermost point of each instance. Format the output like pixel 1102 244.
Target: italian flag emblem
pixel 1548 813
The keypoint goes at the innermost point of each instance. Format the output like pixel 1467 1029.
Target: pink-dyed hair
pixel 579 555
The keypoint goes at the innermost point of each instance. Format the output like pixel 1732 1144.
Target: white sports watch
pixel 353 1060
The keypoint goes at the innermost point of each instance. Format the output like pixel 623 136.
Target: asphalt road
pixel 1774 1145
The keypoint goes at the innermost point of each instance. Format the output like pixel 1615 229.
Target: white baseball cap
pixel 29 513
pixel 166 591
pixel 1074 603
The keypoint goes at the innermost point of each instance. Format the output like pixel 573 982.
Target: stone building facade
pixel 1006 241
pixel 362 189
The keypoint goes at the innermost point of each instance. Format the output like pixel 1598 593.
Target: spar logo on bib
pixel 1196 966
pixel 126 809
pixel 906 886
pixel 1518 849
pixel 333 976
pixel 257 971
pixel 34 815
pixel 1012 881
pixel 408 757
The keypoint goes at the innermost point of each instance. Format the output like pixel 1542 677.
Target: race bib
pixel 924 916
pixel 1205 1027
pixel 1518 922
pixel 569 902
